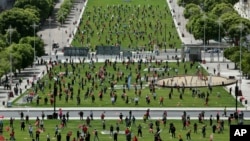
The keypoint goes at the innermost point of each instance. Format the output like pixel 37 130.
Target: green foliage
pixel 215 9
pixel 233 54
pixel 64 10
pixel 19 19
pixel 26 53
pixel 14 36
pixel 5 62
pixel 191 10
pixel 15 56
pixel 39 44
pixel 42 6
pixel 222 8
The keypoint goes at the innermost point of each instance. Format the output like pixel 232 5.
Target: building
pixel 3 4
pixel 6 4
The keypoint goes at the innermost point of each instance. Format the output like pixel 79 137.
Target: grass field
pixel 111 73
pixel 73 126
pixel 132 25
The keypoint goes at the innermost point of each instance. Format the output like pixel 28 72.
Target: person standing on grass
pixel 31 131
pixel 58 137
pixel 195 128
pixel 115 136
pixel 48 137
pixel 203 130
pixel 188 135
pixel 111 130
pixel 37 135
pixel 139 130
pixel 56 131
pixel 135 138
pixel 96 135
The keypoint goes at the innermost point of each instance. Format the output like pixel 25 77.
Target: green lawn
pixel 132 25
pixel 73 126
pixel 111 77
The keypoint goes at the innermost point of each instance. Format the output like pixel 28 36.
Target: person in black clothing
pixel 68 137
pixel 87 137
pixel 229 120
pixel 195 128
pixel 139 131
pixel 121 118
pixel 67 116
pixel 130 115
pixel 96 135
pixel 43 115
pixel 117 128
pixel 81 115
pixel 217 117
pixel 111 130
pixel 22 125
pixel 170 126
pixel 188 135
pixel 37 135
pixel 58 137
pixel 214 128
pixel 115 136
pixel 211 120
pixel 204 131
pixel 173 129
pixel 21 115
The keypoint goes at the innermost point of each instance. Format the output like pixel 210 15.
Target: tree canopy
pixel 20 19
pixel 39 44
pixel 43 7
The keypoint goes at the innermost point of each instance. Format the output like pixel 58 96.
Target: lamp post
pixel 34 25
pixel 50 49
pixel 241 26
pixel 191 12
pixel 165 38
pixel 219 21
pixel 10 30
pixel 54 97
pixel 204 40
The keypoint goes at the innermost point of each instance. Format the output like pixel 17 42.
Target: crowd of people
pixel 97 127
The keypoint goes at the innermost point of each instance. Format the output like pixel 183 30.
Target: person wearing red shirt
pixel 135 138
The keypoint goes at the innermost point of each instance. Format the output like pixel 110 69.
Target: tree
pixel 19 19
pixel 222 8
pixel 246 64
pixel 4 62
pixel 44 7
pixel 15 36
pixel 15 57
pixel 238 30
pixel 22 55
pixel 191 10
pixel 39 44
pixel 210 26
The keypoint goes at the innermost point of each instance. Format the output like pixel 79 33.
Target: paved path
pixel 57 33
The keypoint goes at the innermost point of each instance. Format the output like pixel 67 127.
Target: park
pixel 124 82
